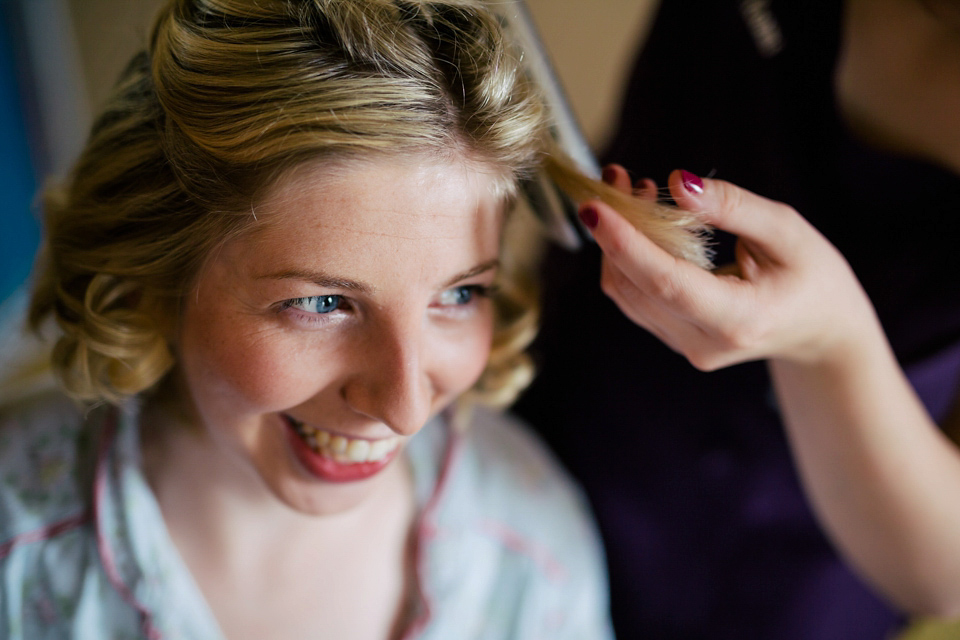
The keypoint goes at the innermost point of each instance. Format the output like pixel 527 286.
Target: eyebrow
pixel 318 278
pixel 326 281
pixel 483 267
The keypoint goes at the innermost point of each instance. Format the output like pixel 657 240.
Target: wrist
pixel 849 341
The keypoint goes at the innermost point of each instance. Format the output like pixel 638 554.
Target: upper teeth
pixel 346 450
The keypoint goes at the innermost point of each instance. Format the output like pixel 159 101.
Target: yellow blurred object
pixel 929 629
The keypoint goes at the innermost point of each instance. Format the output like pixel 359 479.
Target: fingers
pixel 705 352
pixel 768 304
pixel 687 289
pixel 617 176
pixel 646 189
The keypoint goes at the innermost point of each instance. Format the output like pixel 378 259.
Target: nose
pixel 392 384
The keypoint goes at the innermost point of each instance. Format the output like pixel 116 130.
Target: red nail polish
pixel 589 217
pixel 609 175
pixel 691 182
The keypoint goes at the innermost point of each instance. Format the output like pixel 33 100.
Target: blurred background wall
pixel 59 58
pixel 19 231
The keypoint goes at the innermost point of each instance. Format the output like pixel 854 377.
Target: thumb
pixel 769 228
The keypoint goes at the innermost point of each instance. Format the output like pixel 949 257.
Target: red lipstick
pixel 328 469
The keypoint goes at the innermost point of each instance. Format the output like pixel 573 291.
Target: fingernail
pixel 609 175
pixel 691 182
pixel 589 217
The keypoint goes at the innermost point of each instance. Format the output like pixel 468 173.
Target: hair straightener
pixel 557 212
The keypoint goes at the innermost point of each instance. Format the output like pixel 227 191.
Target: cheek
pixel 467 356
pixel 243 368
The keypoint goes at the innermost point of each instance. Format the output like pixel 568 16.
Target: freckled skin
pixel 276 550
pixel 392 356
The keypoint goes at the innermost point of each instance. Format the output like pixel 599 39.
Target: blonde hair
pixel 228 96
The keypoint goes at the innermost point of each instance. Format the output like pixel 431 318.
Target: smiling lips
pixel 335 458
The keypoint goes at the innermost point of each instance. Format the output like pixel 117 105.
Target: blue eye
pixel 459 296
pixel 316 304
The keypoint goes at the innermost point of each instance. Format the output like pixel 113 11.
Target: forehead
pixel 406 197
pixel 365 218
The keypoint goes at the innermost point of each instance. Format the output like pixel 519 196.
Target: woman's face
pixel 315 346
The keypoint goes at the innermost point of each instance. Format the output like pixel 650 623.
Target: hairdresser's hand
pixel 790 295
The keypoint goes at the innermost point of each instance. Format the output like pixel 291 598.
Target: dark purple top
pixel 707 530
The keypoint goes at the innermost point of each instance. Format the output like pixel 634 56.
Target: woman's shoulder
pixel 43 449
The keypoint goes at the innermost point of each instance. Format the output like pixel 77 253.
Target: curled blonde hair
pixel 230 95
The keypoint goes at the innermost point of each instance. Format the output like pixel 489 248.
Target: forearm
pixel 883 479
